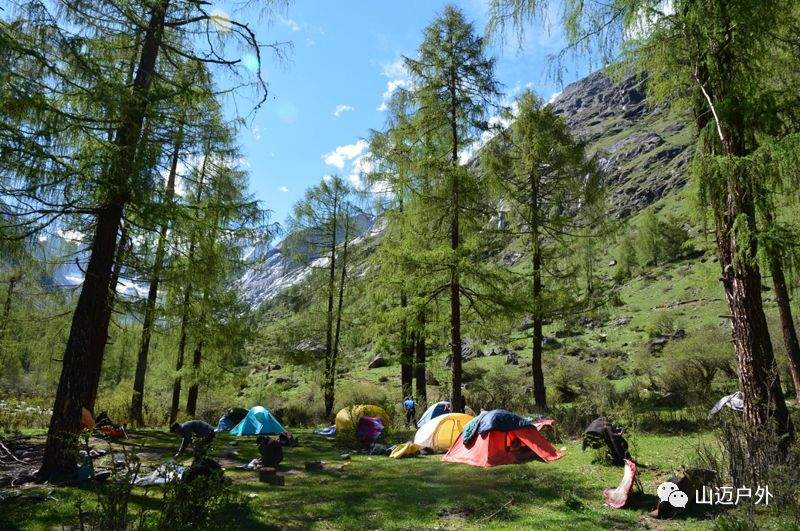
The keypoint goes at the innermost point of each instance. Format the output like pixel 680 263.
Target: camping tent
pixel 441 432
pixel 259 421
pixel 369 429
pixel 439 408
pixel 496 447
pixel 231 418
pixel 345 421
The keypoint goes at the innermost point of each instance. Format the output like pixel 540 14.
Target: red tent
pixel 495 447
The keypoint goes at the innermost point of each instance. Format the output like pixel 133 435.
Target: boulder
pixel 512 358
pixel 377 362
pixel 550 342
pixel 448 361
pixel 657 344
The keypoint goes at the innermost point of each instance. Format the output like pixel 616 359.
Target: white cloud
pixel 341 109
pixel 256 133
pixel 345 153
pixel 283 189
pixel 395 69
pixel 289 23
pixel 398 78
pixel 327 178
pixel 361 165
pixel 391 86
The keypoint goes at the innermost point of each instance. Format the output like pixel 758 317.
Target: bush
pixel 692 365
pixel 663 324
pixel 355 393
pixel 660 240
pixel 499 389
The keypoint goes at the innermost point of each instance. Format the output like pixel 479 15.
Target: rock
pixel 377 362
pixel 550 342
pixel 345 457
pixel 612 263
pixel 590 322
pixel 469 350
pixel 526 324
pixel 680 333
pixel 512 358
pixel 448 361
pixel 510 258
pixel 616 373
pixel 430 379
pixel 276 367
pixel 313 466
pixel 657 344
pixel 621 321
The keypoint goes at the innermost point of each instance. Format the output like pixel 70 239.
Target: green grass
pixel 372 492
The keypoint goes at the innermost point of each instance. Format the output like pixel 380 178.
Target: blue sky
pixel 328 95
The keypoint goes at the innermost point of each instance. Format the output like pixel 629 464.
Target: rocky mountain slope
pixel 642 150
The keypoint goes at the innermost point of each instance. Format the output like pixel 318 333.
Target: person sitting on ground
pixel 195 432
pixel 271 451
pixel 410 408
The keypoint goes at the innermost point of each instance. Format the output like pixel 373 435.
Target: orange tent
pixel 496 447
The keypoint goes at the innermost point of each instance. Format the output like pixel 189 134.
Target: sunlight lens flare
pixel 221 20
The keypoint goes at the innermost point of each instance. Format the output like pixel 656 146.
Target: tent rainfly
pixel 259 421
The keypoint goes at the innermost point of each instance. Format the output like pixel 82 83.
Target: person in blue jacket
pixel 410 408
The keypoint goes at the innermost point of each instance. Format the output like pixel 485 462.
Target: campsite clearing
pixel 379 492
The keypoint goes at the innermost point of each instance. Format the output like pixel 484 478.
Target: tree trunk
pixel 332 372
pixel 787 322
pixel 191 398
pixel 406 352
pixel 328 392
pixel 457 401
pixel 187 297
pixel 137 398
pixel 83 355
pixel 12 282
pixel 419 363
pixel 734 213
pixel 539 392
pixel 176 385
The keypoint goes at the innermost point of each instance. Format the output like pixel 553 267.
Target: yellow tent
pixel 408 449
pixel 441 432
pixel 347 417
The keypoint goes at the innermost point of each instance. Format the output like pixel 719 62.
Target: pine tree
pixel 543 173
pixel 453 83
pixel 321 228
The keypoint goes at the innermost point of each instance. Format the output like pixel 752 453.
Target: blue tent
pixel 439 408
pixel 259 421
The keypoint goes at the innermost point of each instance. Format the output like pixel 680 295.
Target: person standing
pixel 410 408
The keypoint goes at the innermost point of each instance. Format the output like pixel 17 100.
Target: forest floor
pixel 377 492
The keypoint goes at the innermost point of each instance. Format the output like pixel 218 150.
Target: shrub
pixel 499 389
pixel 663 324
pixel 355 393
pixel 692 365
pixel 660 240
